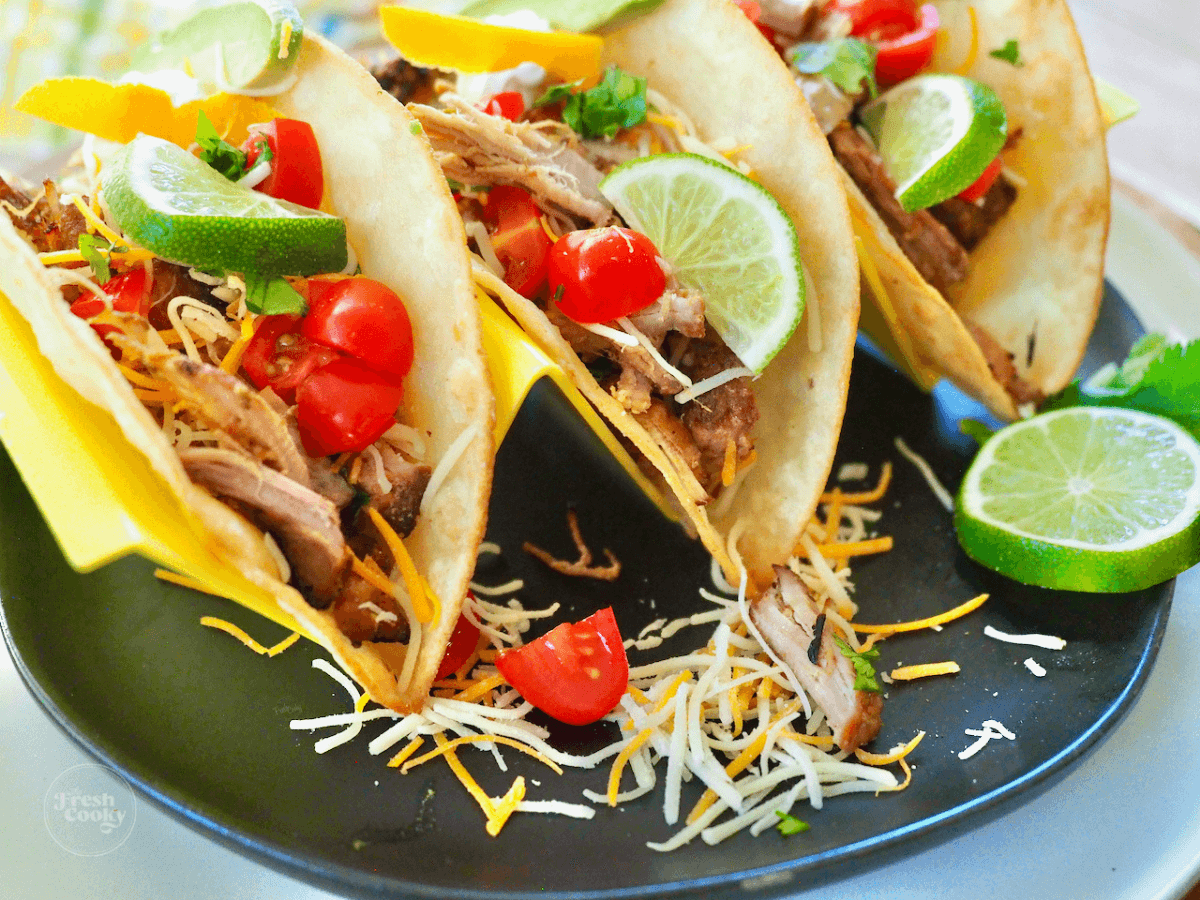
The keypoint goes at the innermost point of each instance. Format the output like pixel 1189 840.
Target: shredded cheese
pixel 924 670
pixel 425 602
pixel 939 490
pixel 713 382
pixel 1046 641
pixel 973 52
pixel 917 624
pixel 231 629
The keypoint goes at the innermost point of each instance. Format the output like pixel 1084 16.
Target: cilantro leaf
pixel 864 670
pixel 221 155
pixel 1158 378
pixel 1010 53
pixel 973 428
pixel 90 248
pixel 272 296
pixel 789 824
pixel 847 62
pixel 618 101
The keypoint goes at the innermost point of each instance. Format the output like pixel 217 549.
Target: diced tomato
pixel 753 12
pixel 127 292
pixel 279 357
pixel 906 54
pixel 345 406
pixel 605 273
pixel 463 641
pixel 520 241
pixel 363 319
pixel 876 19
pixel 296 173
pixel 576 673
pixel 984 182
pixel 509 104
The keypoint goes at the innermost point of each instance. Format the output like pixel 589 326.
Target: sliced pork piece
pixel 477 149
pixel 789 18
pixel 171 281
pixel 932 249
pixel 47 224
pixel 406 82
pixel 723 415
pixel 970 222
pixel 678 309
pixel 225 403
pixel 829 103
pixel 662 423
pixel 786 616
pixel 398 495
pixel 1001 364
pixel 364 613
pixel 305 524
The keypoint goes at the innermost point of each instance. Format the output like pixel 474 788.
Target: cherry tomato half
pixel 906 54
pixel 605 273
pixel 509 104
pixel 520 241
pixel 576 673
pixel 296 173
pixel 279 357
pixel 984 182
pixel 127 292
pixel 363 319
pixel 875 19
pixel 463 641
pixel 345 406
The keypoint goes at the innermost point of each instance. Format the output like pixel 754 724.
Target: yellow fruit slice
pixel 119 112
pixel 469 45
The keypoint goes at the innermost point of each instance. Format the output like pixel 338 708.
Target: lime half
pixel 1085 499
pixel 936 134
pixel 168 201
pixel 724 236
pixel 236 46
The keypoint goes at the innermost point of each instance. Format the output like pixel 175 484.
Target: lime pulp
pixel 724 236
pixel 170 202
pixel 936 134
pixel 1087 499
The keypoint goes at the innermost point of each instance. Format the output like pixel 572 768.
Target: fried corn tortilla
pixel 402 225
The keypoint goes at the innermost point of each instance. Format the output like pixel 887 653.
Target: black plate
pixel 200 724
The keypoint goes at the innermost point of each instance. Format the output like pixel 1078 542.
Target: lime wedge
pixel 1084 499
pixel 936 134
pixel 168 201
pixel 724 236
pixel 232 47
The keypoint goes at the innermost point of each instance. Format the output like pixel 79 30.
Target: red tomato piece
pixel 509 104
pixel 984 182
pixel 296 173
pixel 345 406
pixel 605 273
pixel 906 54
pixel 876 19
pixel 520 241
pixel 576 673
pixel 751 9
pixel 127 292
pixel 362 318
pixel 463 641
pixel 279 357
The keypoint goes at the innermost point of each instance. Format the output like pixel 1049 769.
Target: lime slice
pixel 936 134
pixel 168 201
pixel 1085 499
pixel 235 47
pixel 724 236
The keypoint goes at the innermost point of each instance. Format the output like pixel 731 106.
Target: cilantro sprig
pixel 272 296
pixel 847 62
pixel 864 669
pixel 96 252
pixel 1009 53
pixel 618 101
pixel 789 824
pixel 221 155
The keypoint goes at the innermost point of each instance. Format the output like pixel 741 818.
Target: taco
pixel 994 278
pixel 319 406
pixel 745 457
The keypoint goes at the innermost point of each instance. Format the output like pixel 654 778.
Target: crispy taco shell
pixel 401 222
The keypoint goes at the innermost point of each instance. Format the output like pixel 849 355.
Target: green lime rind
pixel 170 202
pixel 1091 499
pixel 936 134
pixel 235 46
pixel 725 236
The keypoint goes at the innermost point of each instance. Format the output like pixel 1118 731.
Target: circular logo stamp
pixel 89 810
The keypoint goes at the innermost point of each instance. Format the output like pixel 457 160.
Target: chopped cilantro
pixel 91 248
pixel 975 429
pixel 416 128
pixel 221 155
pixel 618 101
pixel 272 296
pixel 847 62
pixel 1158 378
pixel 864 670
pixel 789 824
pixel 1010 53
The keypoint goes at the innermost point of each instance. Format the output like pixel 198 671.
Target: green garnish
pixel 789 824
pixel 847 62
pixel 975 429
pixel 416 128
pixel 1010 53
pixel 1158 378
pixel 221 155
pixel 618 101
pixel 864 670
pixel 91 247
pixel 272 296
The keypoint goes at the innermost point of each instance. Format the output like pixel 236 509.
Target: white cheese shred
pixel 712 382
pixel 442 471
pixel 1045 641
pixel 939 490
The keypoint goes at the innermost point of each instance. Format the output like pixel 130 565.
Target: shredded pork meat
pixel 46 223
